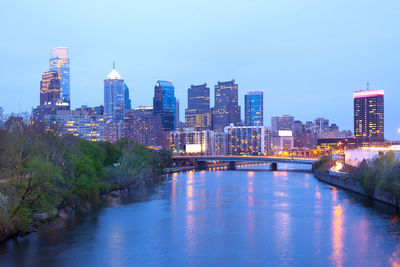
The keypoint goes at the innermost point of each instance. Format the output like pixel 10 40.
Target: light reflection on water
pixel 247 217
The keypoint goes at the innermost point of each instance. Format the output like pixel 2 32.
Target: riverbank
pixel 350 184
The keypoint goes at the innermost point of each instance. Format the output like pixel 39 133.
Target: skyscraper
pixel 59 62
pixel 164 104
pixel 254 108
pixel 50 91
pixel 321 126
pixel 127 100
pixel 226 109
pixel 369 115
pixel 198 113
pixel 114 103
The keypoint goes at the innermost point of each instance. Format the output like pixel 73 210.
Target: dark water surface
pixel 222 218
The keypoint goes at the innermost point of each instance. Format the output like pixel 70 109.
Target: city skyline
pixel 264 58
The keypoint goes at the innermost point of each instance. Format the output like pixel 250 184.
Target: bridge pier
pixel 201 165
pixel 273 166
pixel 232 165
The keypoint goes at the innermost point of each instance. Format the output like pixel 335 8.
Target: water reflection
pixel 337 235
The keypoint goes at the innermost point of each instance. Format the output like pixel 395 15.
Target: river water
pixel 248 217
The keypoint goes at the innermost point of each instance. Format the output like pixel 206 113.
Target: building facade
pixel 226 109
pixel 50 89
pixel 254 108
pixel 245 140
pixel 164 104
pixel 114 103
pixel 281 123
pixel 198 113
pixel 369 116
pixel 60 63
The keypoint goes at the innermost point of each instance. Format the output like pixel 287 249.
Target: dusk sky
pixel 307 56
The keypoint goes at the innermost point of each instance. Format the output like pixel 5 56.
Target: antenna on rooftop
pixel 367 85
pixel 114 64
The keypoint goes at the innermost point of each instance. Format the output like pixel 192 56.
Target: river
pixel 247 217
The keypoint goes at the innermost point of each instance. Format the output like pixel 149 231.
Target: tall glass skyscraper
pixel 369 115
pixel 226 109
pixel 254 108
pixel 164 104
pixel 59 62
pixel 128 103
pixel 114 106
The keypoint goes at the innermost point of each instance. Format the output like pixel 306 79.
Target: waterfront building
pixel 226 108
pixel 142 126
pixel 310 136
pixel 83 123
pixel 245 140
pixel 299 135
pixel 114 103
pixel 164 104
pixel 268 141
pixel 283 141
pixel 220 143
pixel 50 90
pixel 281 123
pixel 254 108
pixel 198 113
pixel 369 116
pixel 192 142
pixel 60 63
pixel 336 143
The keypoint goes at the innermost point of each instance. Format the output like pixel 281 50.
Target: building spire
pixel 367 85
pixel 114 64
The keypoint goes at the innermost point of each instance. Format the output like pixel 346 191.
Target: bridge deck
pixel 250 159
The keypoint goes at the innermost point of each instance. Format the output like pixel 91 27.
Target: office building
pixel 192 142
pixel 369 116
pixel 321 126
pixel 60 63
pixel 114 103
pixel 198 113
pixel 254 108
pixel 164 104
pixel 142 126
pixel 127 100
pixel 50 90
pixel 83 123
pixel 281 123
pixel 226 108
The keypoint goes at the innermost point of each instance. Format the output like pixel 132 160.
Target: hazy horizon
pixel 307 56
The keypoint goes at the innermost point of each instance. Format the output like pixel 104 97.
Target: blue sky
pixel 307 56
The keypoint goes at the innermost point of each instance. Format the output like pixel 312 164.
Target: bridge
pixel 200 162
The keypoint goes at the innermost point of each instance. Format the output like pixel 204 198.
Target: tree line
pixel 41 173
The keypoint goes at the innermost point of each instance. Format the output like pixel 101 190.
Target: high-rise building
pixel 114 103
pixel 177 112
pixel 192 142
pixel 298 134
pixel 142 126
pixel 369 115
pixel 127 100
pixel 254 108
pixel 83 122
pixel 59 62
pixel 226 108
pixel 164 104
pixel 245 140
pixel 50 91
pixel 321 126
pixel 281 123
pixel 198 113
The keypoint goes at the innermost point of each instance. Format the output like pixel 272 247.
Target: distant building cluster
pixel 206 129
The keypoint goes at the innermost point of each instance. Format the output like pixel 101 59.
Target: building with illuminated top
pixel 114 106
pixel 254 108
pixel 59 62
pixel 369 116
pixel 50 90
